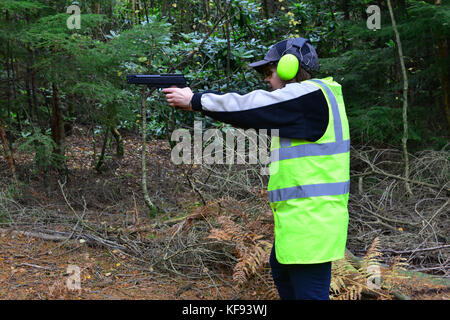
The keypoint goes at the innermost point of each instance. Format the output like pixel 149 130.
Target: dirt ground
pixel 36 269
pixel 33 269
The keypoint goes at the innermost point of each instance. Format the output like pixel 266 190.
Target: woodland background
pixel 86 176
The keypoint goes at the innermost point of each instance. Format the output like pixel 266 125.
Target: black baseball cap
pixel 300 47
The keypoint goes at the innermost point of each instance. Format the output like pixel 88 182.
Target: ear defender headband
pixel 288 64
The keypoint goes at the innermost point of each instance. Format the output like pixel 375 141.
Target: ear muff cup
pixel 287 67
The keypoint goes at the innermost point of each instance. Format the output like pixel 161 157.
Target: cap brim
pixel 258 63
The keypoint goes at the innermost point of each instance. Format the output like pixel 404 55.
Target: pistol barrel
pixel 157 80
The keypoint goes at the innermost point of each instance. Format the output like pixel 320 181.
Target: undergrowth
pixel 251 241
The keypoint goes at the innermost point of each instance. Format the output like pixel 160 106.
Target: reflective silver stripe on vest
pixel 310 190
pixel 313 149
pixel 334 109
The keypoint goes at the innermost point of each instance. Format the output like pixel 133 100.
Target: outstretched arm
pixel 299 110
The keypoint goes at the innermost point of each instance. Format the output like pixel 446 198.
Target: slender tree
pixel 405 97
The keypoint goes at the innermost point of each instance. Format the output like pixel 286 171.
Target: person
pixel 309 191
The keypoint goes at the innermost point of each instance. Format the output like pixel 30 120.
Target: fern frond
pixel 373 253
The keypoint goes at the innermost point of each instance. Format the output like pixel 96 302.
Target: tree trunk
pixel 139 12
pixel 133 14
pixel 265 8
pixel 207 13
pixel 271 7
pixel 14 88
pixel 32 79
pixel 119 141
pixel 8 91
pixel 101 159
pixel 146 11
pixel 8 53
pixel 34 96
pixel 403 8
pixel 58 133
pixel 27 80
pixel 363 8
pixel 111 122
pixel 147 199
pixel 443 52
pixel 228 69
pixel 442 43
pixel 405 97
pixel 164 9
pixel 345 9
pixel 8 151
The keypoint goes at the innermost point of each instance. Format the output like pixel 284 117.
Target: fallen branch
pixel 65 236
pixel 34 266
pixel 416 250
pixel 39 235
pixel 376 170
pixel 356 261
pixel 390 220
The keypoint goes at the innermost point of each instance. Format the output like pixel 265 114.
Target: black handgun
pixel 158 80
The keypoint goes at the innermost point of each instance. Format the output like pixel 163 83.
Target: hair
pixel 301 75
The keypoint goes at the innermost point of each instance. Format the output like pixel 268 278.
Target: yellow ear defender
pixel 287 67
pixel 289 63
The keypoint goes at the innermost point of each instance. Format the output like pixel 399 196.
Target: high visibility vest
pixel 309 188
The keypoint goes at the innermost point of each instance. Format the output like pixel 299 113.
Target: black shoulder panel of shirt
pixel 304 117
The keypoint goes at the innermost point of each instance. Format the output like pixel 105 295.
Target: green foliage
pixel 18 6
pixel 369 72
pixel 429 16
pixel 89 65
pixel 43 147
pixel 377 125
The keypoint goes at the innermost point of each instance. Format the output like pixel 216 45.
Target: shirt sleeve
pixel 298 111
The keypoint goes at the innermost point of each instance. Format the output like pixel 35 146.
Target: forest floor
pixel 35 268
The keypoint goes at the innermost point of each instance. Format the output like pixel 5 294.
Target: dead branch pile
pixel 231 233
pixel 415 227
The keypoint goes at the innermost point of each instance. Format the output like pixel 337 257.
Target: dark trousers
pixel 301 281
